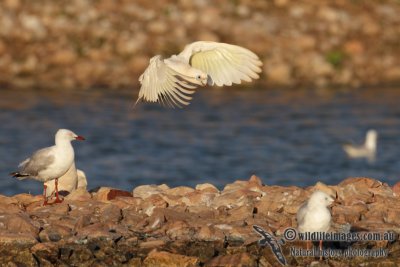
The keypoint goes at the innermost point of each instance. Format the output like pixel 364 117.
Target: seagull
pixel 82 181
pixel 70 181
pixel 367 150
pixel 314 215
pixel 171 81
pixel 50 163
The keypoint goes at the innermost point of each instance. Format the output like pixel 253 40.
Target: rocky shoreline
pixel 182 226
pixel 100 43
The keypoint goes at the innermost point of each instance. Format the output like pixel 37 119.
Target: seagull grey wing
pixel 301 213
pixel 225 64
pixel 162 84
pixel 38 162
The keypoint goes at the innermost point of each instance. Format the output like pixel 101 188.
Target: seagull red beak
pixel 80 138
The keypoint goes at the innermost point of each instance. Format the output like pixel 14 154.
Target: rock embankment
pixel 89 43
pixel 183 226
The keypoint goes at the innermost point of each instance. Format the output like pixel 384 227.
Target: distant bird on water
pixel 50 163
pixel 367 150
pixel 171 81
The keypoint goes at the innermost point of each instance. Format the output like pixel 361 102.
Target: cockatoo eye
pixel 198 77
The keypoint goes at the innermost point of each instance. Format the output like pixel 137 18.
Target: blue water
pixel 287 137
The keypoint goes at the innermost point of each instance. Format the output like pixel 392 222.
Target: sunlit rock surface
pixel 156 225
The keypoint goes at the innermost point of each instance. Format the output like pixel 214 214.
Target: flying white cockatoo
pixel 171 81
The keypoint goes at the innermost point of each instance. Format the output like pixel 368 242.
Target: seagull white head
pixel 319 198
pixel 67 135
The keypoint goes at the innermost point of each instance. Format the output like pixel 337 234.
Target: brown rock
pixel 127 202
pixel 278 199
pixel 110 213
pixel 205 233
pixel 179 230
pixel 162 258
pixel 51 210
pixel 145 191
pixel 179 191
pixel 64 57
pixel 256 180
pixel 155 221
pixel 3 48
pixel 81 222
pixel 10 207
pixel 279 73
pixel 396 189
pixel 96 231
pixel 172 200
pixel 152 202
pixel 152 244
pixel 12 4
pixel 107 193
pixel 138 63
pixel 7 238
pixel 20 223
pixel 240 213
pixel 241 233
pixel 393 73
pixel 207 188
pixel 235 198
pixel 356 190
pixel 198 198
pixel 254 184
pixel 131 217
pixel 361 182
pixel 80 194
pixel 236 260
pixel 330 190
pixel 55 233
pixel 237 185
pixel 392 216
pixel 45 252
pixel 346 214
pixel 7 200
pixel 27 199
pixel 157 27
pixel 354 47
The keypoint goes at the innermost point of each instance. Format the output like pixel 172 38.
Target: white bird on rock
pixel 171 81
pixel 367 150
pixel 314 215
pixel 50 163
pixel 69 182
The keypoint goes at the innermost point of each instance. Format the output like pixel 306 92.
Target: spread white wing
pixel 224 63
pixel 162 84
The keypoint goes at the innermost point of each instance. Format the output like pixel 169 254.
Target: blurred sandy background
pixel 107 43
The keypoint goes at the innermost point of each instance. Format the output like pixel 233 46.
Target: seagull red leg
pixel 58 200
pixel 44 195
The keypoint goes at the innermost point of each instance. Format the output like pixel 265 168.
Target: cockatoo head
pixel 197 77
